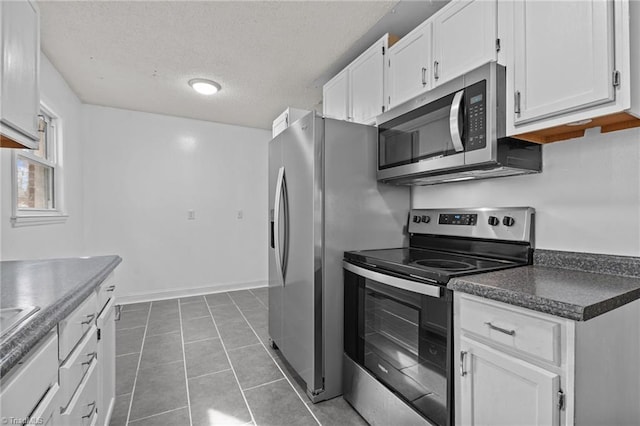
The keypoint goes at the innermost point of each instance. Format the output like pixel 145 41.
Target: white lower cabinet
pixel 499 389
pixel 31 390
pixel 522 367
pixel 107 363
pixel 83 407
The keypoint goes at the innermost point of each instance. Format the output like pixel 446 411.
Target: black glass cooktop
pixel 432 265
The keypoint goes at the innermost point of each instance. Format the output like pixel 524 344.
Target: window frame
pixel 28 216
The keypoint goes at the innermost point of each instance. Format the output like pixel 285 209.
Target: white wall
pixel 53 240
pixel 587 198
pixel 145 171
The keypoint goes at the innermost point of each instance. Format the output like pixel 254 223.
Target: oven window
pixel 403 349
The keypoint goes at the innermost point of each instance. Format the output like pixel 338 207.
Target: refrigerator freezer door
pixel 302 160
pixel 275 279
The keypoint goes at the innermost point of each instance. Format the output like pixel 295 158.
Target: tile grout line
pixel 135 380
pixel 210 374
pixel 195 318
pixel 202 340
pixel 158 414
pixel 259 300
pixel 244 397
pixel 130 328
pixel 184 363
pixel 274 361
pixel 263 384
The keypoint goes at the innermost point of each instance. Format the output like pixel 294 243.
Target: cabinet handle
pixel 463 371
pixel 424 76
pixel 111 288
pixel 91 356
pixel 501 330
pixel 93 409
pixel 517 102
pixel 89 319
pixel 436 72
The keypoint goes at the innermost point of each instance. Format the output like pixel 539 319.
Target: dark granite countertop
pixel 557 284
pixel 57 286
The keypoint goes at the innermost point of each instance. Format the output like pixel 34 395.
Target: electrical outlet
pixel 240 214
pixel 191 215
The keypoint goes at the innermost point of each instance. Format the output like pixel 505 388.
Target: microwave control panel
pixel 476 114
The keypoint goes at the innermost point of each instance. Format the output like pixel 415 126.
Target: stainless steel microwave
pixel 454 132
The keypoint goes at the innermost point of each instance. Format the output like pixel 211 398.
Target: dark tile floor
pixel 205 360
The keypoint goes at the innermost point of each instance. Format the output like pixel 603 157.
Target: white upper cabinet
pixel 367 83
pixel 563 57
pixel 574 65
pixel 284 120
pixel 464 38
pixel 19 89
pixel 335 97
pixel 409 66
pixel 358 92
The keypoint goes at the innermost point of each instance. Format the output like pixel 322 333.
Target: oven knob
pixel 416 219
pixel 493 221
pixel 508 221
pixel 426 219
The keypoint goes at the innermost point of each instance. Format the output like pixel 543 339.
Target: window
pixel 38 177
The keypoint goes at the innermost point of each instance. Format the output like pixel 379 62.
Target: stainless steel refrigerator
pixel 324 200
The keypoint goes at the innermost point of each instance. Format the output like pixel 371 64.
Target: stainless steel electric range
pixel 398 312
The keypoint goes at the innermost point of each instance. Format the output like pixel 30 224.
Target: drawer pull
pixel 463 371
pixel 93 409
pixel 91 356
pixel 111 288
pixel 89 319
pixel 501 330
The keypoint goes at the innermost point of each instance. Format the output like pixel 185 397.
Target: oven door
pixel 400 331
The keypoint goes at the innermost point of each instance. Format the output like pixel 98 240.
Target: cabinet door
pixel 409 66
pixel 335 97
pixel 464 38
pixel 19 94
pixel 563 57
pixel 107 363
pixel 367 84
pixel 501 390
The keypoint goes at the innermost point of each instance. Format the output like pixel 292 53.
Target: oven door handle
pixel 454 121
pixel 413 286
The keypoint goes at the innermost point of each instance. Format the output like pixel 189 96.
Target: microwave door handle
pixel 276 220
pixel 454 121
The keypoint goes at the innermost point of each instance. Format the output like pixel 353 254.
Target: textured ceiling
pixel 266 55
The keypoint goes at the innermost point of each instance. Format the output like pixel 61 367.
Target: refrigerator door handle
pixel 276 220
pixel 285 255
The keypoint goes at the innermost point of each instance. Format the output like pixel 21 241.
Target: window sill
pixel 38 219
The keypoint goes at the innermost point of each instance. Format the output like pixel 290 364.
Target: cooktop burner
pixel 449 265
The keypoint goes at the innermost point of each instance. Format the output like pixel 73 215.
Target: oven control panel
pixel 509 224
pixel 457 219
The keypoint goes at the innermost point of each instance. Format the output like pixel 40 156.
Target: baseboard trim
pixel 187 292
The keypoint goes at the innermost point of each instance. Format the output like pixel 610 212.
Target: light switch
pixel 240 214
pixel 191 215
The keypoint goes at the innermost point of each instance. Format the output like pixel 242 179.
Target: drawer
pixel 83 409
pixel 512 327
pixel 105 292
pixel 48 410
pixel 26 384
pixel 76 366
pixel 72 328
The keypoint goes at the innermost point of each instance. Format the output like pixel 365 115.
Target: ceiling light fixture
pixel 204 86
